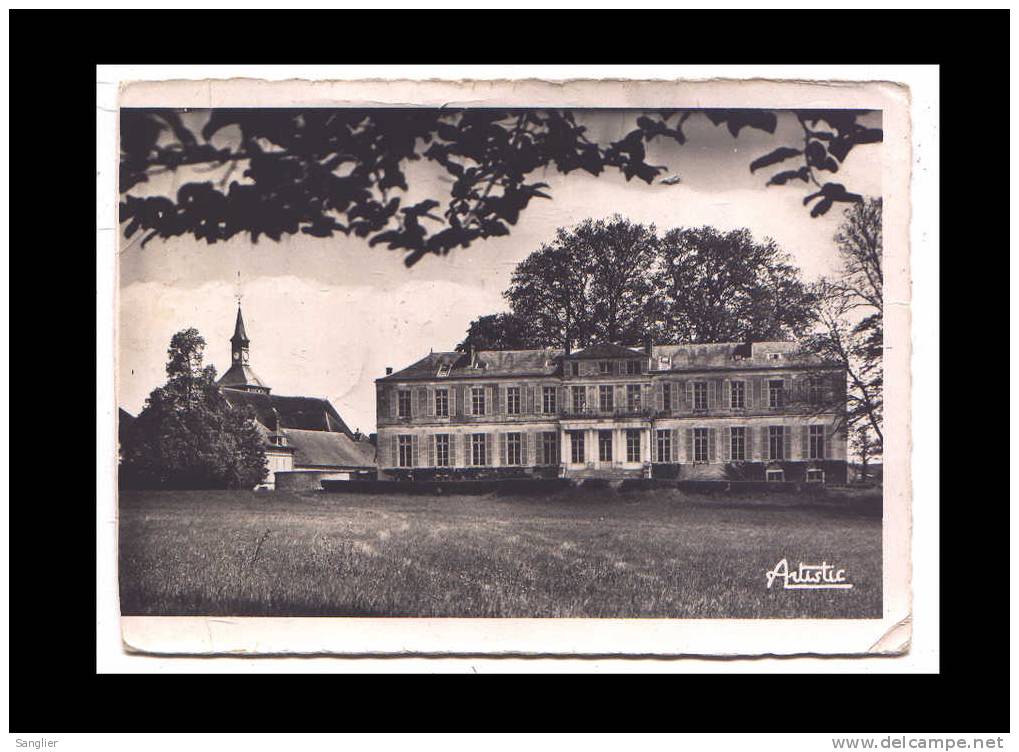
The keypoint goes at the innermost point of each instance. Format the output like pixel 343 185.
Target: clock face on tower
pixel 237 355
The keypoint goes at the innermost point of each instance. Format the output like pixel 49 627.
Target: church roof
pixel 239 375
pixel 328 449
pixel 239 334
pixel 302 413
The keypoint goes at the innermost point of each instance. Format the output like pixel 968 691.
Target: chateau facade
pixel 755 411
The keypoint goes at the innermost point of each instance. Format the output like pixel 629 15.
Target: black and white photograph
pixel 483 359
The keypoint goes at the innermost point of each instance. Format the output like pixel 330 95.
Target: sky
pixel 327 315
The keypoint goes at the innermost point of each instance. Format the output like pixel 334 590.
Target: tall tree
pixel 499 331
pixel 187 435
pixel 727 287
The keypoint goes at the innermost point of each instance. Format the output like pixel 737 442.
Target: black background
pixel 54 686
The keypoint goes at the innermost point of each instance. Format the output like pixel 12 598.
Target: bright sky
pixel 326 316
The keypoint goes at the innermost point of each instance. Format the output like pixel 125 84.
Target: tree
pixel 850 319
pixel 726 287
pixel 323 171
pixel 499 331
pixel 188 435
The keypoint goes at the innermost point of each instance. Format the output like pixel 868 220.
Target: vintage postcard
pixel 513 367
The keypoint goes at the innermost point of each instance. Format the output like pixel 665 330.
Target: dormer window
pixel 664 363
pixel 277 439
pixel 774 356
pixel 604 367
pixel 444 369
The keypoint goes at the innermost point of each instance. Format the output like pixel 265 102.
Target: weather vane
pixel 239 293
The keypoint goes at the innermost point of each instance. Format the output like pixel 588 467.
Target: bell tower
pixel 240 375
pixel 239 342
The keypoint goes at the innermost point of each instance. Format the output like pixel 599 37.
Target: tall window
pixel 700 445
pixel 700 395
pixel 577 447
pixel 479 455
pixel 632 367
pixel 776 442
pixel 632 445
pixel 442 450
pixel 605 397
pixel 604 367
pixel 478 401
pixel 406 445
pixel 548 399
pixel 667 397
pixel 549 448
pixel 605 446
pixel 633 396
pixel 577 398
pixel 816 442
pixel 442 402
pixel 663 445
pixel 575 368
pixel 513 452
pixel 737 395
pixel 775 393
pixel 815 390
pixel 513 400
pixel 738 443
pixel 403 404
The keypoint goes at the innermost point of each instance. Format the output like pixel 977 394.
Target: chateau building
pixel 752 411
pixel 303 434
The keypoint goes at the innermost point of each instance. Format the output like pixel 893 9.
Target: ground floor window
pixel 550 448
pixel 513 449
pixel 700 445
pixel 738 443
pixel 577 447
pixel 663 444
pixel 632 445
pixel 442 450
pixel 478 454
pixel 816 442
pixel 815 476
pixel 406 456
pixel 775 475
pixel 776 442
pixel 605 446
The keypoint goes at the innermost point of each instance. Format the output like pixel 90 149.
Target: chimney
pixel 648 345
pixel 389 370
pixel 473 354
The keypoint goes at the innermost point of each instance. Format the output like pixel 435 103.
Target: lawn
pixel 575 554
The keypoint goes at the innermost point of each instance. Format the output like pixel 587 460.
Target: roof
pixel 489 363
pixel 303 413
pixel 603 350
pixel 239 334
pixel 329 449
pixel 678 357
pixel 239 375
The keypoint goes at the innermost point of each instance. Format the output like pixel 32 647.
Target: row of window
pixel 698 396
pixel 609 367
pixel 477 447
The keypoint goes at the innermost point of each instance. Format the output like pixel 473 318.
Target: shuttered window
pixel 577 397
pixel 549 448
pixel 633 397
pixel 700 445
pixel 700 395
pixel 442 450
pixel 666 397
pixel 605 398
pixel 737 395
pixel 403 404
pixel 605 446
pixel 737 443
pixel 577 447
pixel 816 438
pixel 442 402
pixel 406 451
pixel 513 453
pixel 776 442
pixel 775 393
pixel 479 449
pixel 663 445
pixel 548 400
pixel 477 401
pixel 513 400
pixel 632 445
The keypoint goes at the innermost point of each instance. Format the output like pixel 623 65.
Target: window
pixel 774 356
pixel 667 397
pixel 815 476
pixel 548 399
pixel 403 404
pixel 406 445
pixel 604 367
pixel 444 370
pixel 632 367
pixel 577 447
pixel 738 444
pixel 605 446
pixel 605 398
pixel 513 400
pixel 737 395
pixel 575 368
pixel 633 445
pixel 700 445
pixel 478 401
pixel 442 403
pixel 513 453
pixel 479 455
pixel 776 442
pixel 633 397
pixel 815 390
pixel 700 395
pixel 277 439
pixel 663 445
pixel 775 393
pixel 442 450
pixel 775 476
pixel 816 443
pixel 577 397
pixel 549 448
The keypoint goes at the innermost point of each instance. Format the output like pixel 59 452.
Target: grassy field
pixel 595 554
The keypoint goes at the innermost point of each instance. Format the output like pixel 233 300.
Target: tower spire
pixel 240 375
